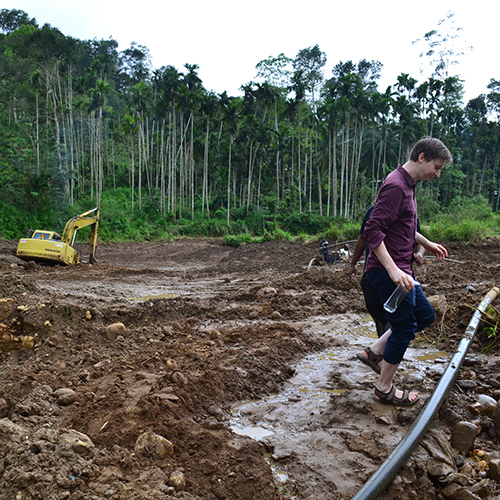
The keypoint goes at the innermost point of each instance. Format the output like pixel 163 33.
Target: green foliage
pixel 342 230
pixel 466 230
pixel 467 219
pixel 236 241
pixel 83 125
pixel 428 205
pixel 307 222
pixel 476 208
pixel 491 328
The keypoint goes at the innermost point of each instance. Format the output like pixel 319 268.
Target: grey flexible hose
pixel 379 481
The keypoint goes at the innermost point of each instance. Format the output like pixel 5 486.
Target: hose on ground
pixel 379 481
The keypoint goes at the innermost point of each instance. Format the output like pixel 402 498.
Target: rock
pixel 468 470
pixel 28 342
pixel 496 394
pixel 179 378
pixel 496 418
pixel 46 388
pixel 177 480
pixel 171 365
pixel 488 405
pixel 267 292
pixel 438 302
pixel 150 444
pixel 88 315
pixel 463 436
pixel 114 330
pixel 470 361
pixel 482 465
pixel 439 469
pixel 4 408
pixel 79 442
pixel 476 408
pixel 467 385
pixel 65 396
pixel 482 489
pixel 276 315
pixel 456 492
pixel 494 465
pixel 215 411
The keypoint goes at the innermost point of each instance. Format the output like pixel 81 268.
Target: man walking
pixel 391 233
pixel 372 301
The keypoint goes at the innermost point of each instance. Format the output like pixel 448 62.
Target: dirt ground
pixel 206 328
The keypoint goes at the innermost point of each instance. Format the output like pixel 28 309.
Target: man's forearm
pixel 423 241
pixel 384 257
pixel 358 250
pixel 397 275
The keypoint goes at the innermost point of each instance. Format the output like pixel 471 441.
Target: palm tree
pixel 97 97
pixel 141 98
pixel 230 113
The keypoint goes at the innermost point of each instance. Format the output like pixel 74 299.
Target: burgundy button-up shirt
pixel 394 221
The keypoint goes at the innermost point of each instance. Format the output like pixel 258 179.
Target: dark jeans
pixel 374 306
pixel 413 315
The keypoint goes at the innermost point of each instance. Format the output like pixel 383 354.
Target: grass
pixel 491 328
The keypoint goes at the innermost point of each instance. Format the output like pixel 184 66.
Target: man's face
pixel 430 169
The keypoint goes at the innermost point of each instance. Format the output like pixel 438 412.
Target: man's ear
pixel 421 158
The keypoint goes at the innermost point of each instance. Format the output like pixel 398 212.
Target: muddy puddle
pixel 306 426
pixel 131 289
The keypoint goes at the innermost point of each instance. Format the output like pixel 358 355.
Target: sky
pixel 227 39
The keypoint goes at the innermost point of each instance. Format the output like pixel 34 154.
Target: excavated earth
pixel 214 339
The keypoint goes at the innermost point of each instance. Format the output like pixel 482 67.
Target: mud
pixel 216 340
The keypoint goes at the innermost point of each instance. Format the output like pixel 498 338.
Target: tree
pixel 191 79
pixel 11 20
pixel 275 72
pixel 442 49
pixel 493 97
pixel 310 62
pixel 135 64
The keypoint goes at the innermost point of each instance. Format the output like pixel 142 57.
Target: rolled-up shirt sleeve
pixel 385 212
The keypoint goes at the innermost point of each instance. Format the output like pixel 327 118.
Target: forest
pixel 83 124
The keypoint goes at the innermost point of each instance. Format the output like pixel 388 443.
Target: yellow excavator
pixel 49 247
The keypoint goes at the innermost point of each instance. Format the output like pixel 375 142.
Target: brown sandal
pixel 390 398
pixel 372 360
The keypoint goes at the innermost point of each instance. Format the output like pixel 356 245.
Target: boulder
pixel 150 444
pixel 115 330
pixel 463 436
pixel 177 480
pixel 438 302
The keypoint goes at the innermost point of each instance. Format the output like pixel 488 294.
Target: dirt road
pixel 207 329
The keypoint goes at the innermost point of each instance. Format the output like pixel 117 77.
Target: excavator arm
pixel 89 218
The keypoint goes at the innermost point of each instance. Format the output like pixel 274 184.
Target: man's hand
pixel 401 278
pixel 438 250
pixel 353 272
pixel 397 275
